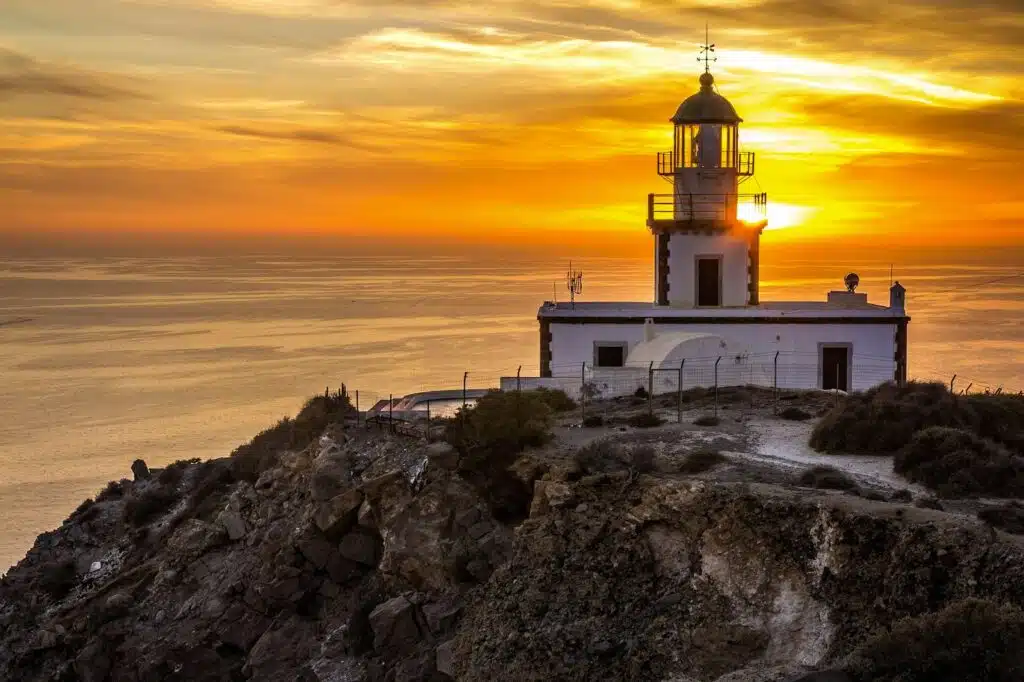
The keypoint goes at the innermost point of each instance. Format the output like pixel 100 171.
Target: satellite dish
pixel 852 280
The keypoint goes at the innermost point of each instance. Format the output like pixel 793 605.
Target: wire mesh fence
pixel 418 408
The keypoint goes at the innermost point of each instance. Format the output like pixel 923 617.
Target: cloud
pixel 23 75
pixel 297 135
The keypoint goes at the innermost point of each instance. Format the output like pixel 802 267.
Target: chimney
pixel 898 299
pixel 649 329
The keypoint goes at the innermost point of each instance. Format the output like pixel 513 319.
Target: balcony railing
pixel 667 164
pixel 746 164
pixel 749 208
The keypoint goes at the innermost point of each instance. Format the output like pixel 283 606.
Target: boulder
pixel 233 523
pixel 394 625
pixel 140 471
pixel 360 547
pixel 823 676
pixel 317 550
pixel 92 663
pixel 443 455
pixel 336 516
pixel 330 478
pixel 444 658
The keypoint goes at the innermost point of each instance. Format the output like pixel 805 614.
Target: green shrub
pixel 885 418
pixel 489 437
pixel 1007 517
pixel 707 420
pixel 968 641
pixel 644 420
pixel 556 399
pixel 141 509
pixel 701 461
pixel 955 462
pixel 262 452
pixel 793 413
pixel 826 478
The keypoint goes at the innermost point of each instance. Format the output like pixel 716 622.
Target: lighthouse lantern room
pixel 706 302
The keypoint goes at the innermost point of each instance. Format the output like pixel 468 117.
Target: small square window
pixel 610 355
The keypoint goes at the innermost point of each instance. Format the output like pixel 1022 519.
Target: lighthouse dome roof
pixel 706 106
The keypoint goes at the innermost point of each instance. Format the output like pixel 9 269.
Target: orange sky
pixel 500 120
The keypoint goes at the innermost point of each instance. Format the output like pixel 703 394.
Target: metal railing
pixel 687 207
pixel 746 164
pixel 667 165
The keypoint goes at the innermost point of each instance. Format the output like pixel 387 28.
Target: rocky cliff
pixel 367 556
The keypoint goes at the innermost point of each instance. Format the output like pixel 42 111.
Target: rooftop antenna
pixel 574 282
pixel 707 51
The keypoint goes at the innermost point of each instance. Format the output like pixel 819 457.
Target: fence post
pixel 519 379
pixel 951 382
pixel 775 384
pixel 716 384
pixel 837 385
pixel 465 378
pixel 428 421
pixel 680 407
pixel 650 389
pixel 359 415
pixel 391 412
pixel 583 393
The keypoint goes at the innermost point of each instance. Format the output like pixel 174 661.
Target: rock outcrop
pixel 368 557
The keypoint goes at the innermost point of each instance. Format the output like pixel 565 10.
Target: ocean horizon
pixel 107 359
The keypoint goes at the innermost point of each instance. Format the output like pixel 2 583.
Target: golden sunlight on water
pixel 109 359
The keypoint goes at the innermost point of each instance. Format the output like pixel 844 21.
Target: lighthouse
pixel 706 232
pixel 707 322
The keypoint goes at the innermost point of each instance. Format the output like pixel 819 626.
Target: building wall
pixel 683 251
pixel 750 351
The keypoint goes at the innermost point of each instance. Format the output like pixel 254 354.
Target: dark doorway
pixel 709 281
pixel 835 368
pixel 612 355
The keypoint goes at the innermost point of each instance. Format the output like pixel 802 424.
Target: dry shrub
pixel 885 418
pixel 152 502
pixel 601 456
pixel 172 474
pixel 826 478
pixel 114 491
pixel 968 641
pixel 707 420
pixel 701 461
pixel 642 458
pixel 593 421
pixel 796 414
pixel 57 577
pixel 1006 517
pixel 556 399
pixel 644 420
pixel 955 463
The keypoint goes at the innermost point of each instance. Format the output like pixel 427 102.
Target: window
pixel 609 354
pixel 709 281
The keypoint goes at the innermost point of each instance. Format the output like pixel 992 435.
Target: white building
pixel 707 320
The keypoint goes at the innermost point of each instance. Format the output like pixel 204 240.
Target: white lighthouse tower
pixel 707 322
pixel 706 232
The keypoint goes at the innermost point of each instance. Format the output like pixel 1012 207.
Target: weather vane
pixel 707 51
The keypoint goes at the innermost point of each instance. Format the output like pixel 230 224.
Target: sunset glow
pixel 474 121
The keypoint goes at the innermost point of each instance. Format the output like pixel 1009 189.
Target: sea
pixel 108 358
